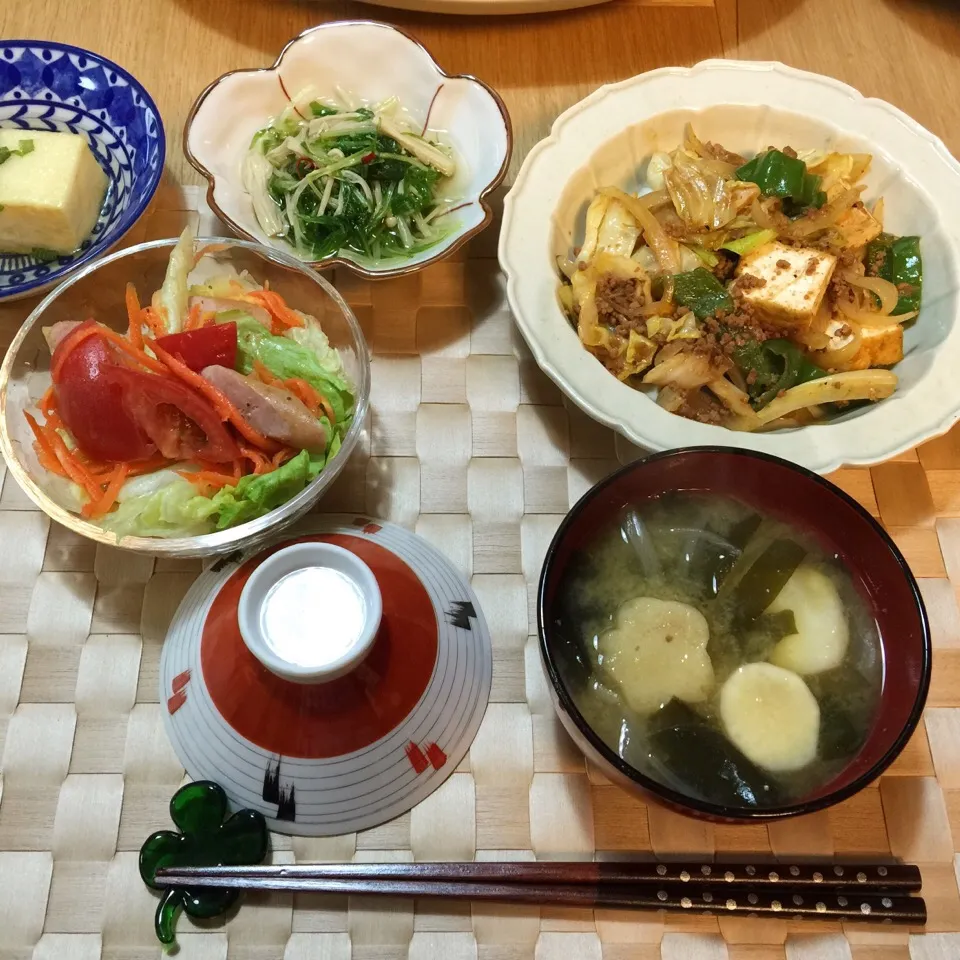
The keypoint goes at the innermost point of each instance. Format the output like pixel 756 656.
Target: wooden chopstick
pixel 770 898
pixel 842 877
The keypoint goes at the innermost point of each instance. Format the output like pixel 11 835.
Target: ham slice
pixel 273 411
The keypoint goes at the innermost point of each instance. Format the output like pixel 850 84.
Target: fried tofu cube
pixel 787 284
pixel 879 346
pixel 859 226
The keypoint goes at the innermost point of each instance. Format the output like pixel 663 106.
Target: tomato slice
pixel 182 424
pixel 215 345
pixel 91 404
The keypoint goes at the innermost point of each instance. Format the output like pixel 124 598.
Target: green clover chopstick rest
pixel 208 837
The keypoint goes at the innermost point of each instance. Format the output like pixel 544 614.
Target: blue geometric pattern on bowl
pixel 54 86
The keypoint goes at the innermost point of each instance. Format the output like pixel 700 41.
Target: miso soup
pixel 719 651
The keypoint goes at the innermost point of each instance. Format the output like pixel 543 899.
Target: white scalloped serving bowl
pixel 607 138
pixel 372 61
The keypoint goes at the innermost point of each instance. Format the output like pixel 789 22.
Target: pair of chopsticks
pixel 879 893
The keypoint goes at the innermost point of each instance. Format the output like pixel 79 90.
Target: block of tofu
pixel 859 226
pixel 879 346
pixel 51 196
pixel 787 284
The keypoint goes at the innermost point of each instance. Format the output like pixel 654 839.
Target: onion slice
pixel 826 216
pixel 838 387
pixel 666 250
pixel 887 292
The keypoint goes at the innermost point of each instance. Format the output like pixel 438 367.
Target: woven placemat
pixel 472 447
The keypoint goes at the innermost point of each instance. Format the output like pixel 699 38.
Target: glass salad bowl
pixel 99 292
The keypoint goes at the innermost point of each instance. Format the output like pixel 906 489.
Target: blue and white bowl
pixel 55 86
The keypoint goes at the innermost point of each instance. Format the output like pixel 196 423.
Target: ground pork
pixel 619 303
pixel 703 407
pixel 747 281
pixel 729 332
pixel 721 153
pixel 839 290
pixel 726 264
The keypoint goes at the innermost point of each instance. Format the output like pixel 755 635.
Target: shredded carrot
pixel 312 398
pixel 151 320
pixel 143 358
pixel 48 402
pixel 72 467
pixel 42 443
pixel 194 317
pixel 220 402
pixel 138 467
pixel 281 457
pixel 53 465
pixel 277 307
pixel 208 478
pixel 208 248
pixel 264 374
pixel 261 464
pixel 104 503
pixel 68 344
pixel 305 392
pixel 134 316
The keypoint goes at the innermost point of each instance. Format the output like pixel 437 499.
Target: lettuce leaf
pixel 254 496
pixel 312 337
pixel 172 510
pixel 169 505
pixel 314 361
pixel 170 301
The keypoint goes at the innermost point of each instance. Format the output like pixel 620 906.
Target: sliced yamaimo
pixel 771 716
pixel 657 651
pixel 823 635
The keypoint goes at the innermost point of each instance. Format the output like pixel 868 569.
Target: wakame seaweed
pixel 329 180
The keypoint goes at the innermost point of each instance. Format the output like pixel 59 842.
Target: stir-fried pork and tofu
pixel 753 294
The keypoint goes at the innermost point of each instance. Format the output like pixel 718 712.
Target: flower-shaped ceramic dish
pixel 371 61
pixel 608 138
pixel 54 86
pixel 98 291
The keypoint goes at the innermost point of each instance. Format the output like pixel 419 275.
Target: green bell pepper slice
pixel 702 292
pixel 772 366
pixel 779 175
pixel 898 260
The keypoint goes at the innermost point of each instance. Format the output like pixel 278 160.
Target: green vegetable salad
pixel 353 180
pixel 219 404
